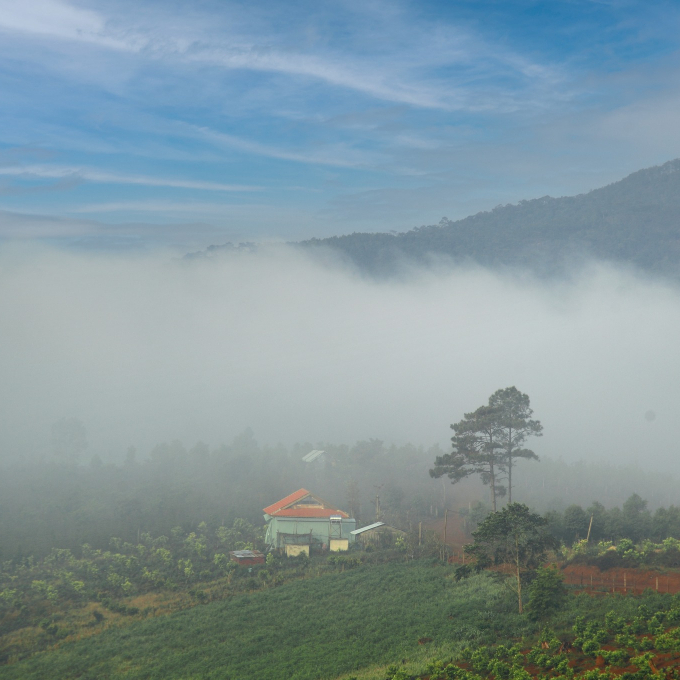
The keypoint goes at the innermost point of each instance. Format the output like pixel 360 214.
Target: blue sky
pixel 184 124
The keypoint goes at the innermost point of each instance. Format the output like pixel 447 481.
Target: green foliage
pixel 515 537
pixel 547 593
pixel 620 537
pixel 591 647
pixel 615 657
pixel 550 659
pixel 62 579
pixel 345 561
pixel 395 673
pixel 514 534
pixel 382 611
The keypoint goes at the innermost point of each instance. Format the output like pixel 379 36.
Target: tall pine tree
pixel 514 427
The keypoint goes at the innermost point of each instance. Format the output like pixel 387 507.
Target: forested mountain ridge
pixel 635 221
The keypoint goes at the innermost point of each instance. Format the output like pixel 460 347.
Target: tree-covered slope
pixel 635 221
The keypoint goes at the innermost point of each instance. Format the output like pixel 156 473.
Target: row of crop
pixel 599 650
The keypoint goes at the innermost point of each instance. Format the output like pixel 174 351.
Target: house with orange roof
pixel 303 522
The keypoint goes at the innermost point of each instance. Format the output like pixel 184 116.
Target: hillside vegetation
pixel 645 646
pixel 389 621
pixel 320 627
pixel 634 221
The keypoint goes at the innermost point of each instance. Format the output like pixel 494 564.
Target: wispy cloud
pixel 338 155
pixel 56 19
pixel 376 82
pixel 389 113
pixel 162 207
pixel 406 77
pixel 94 175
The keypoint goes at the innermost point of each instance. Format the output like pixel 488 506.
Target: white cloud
pixel 402 74
pixel 60 20
pixel 94 175
pixel 337 155
pixel 49 17
pixel 372 81
pixel 161 207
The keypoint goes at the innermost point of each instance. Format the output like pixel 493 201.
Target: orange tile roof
pixel 288 500
pixel 281 509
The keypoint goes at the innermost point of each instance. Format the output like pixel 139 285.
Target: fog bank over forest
pixel 149 348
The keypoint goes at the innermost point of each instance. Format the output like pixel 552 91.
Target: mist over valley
pixel 339 341
pixel 144 349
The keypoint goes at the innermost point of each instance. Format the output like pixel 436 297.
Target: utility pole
pixel 377 501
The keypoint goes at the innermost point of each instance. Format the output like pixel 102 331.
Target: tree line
pixel 633 521
pixel 66 501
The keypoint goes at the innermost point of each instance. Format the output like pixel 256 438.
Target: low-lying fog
pixel 149 349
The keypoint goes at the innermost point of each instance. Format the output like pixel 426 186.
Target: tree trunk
pixel 509 466
pixel 519 579
pixel 493 486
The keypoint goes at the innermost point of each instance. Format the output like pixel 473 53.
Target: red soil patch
pixel 618 580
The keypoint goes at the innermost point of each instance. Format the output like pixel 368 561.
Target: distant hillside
pixel 635 221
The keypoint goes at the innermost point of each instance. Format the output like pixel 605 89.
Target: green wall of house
pixel 320 529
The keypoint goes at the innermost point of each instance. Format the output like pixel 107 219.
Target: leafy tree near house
pixel 514 538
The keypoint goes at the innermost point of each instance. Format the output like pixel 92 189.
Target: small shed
pixel 247 557
pixel 377 533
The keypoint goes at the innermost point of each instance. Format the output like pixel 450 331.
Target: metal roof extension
pixel 312 456
pixel 370 526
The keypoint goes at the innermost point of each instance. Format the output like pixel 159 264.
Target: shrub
pixel 591 647
pixel 616 657
pixel 547 593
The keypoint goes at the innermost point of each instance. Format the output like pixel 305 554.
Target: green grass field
pixel 316 628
